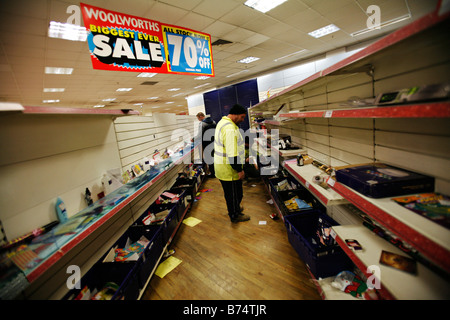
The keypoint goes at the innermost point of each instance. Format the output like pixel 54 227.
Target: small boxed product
pixel 378 180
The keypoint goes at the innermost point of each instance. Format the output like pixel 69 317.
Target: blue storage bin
pixel 170 224
pixel 181 204
pixel 152 251
pixel 188 185
pixel 323 261
pixel 301 192
pixel 121 273
pixel 274 181
pixel 292 181
pixel 151 256
pixel 171 220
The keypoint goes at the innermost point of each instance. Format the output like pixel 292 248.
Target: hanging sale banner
pixel 189 51
pixel 123 42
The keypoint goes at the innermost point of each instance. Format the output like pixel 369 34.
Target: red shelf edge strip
pixel 424 245
pixel 425 110
pixel 62 110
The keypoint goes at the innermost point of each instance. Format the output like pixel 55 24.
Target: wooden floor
pixel 244 261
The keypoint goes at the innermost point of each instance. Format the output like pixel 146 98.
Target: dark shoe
pixel 241 218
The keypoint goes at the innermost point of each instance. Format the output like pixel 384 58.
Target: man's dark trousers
pixel 233 196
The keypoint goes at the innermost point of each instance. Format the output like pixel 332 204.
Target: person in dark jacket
pixel 208 127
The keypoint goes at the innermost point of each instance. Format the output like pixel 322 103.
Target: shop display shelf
pixel 105 209
pixel 422 110
pixel 80 111
pixel 394 283
pixel 305 174
pixel 354 62
pixel 426 236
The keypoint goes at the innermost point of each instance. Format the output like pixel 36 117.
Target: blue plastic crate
pixel 323 261
pixel 188 185
pixel 170 222
pixel 121 273
pixel 301 192
pixel 293 182
pixel 152 251
pixel 181 204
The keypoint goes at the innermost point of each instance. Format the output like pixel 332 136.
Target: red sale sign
pixel 123 42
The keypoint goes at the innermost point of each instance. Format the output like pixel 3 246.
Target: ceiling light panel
pixel 324 31
pixel 67 31
pixel 146 74
pixel 53 70
pixel 248 60
pixel 263 5
pixel 54 89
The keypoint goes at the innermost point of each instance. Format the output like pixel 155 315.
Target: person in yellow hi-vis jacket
pixel 229 158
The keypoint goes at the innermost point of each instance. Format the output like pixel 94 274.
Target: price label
pixel 328 114
pixel 331 181
pixel 187 51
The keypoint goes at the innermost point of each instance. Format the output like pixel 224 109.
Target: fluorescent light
pixel 290 55
pixel 53 70
pixel 124 89
pixel 324 31
pixel 263 5
pixel 67 31
pixel 99 106
pixel 146 74
pixel 202 85
pixel 50 101
pixel 169 102
pixel 248 60
pixel 54 89
pixel 382 25
pixel 201 78
pixel 109 99
pixel 235 74
pixel 153 98
pixel 173 89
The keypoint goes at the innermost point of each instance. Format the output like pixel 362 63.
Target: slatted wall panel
pixel 141 136
pixel 136 139
pixel 420 145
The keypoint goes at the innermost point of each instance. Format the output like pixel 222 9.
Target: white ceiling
pixel 25 48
